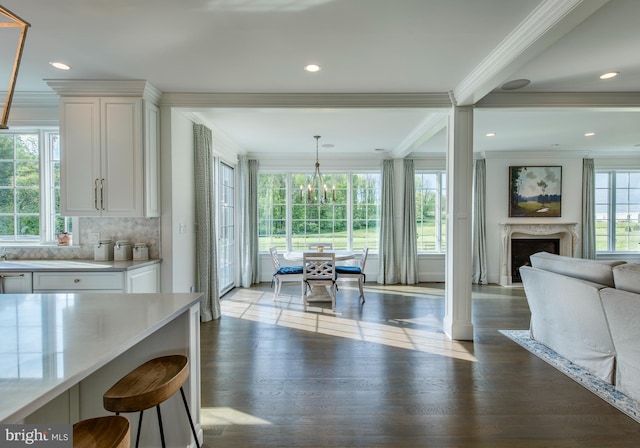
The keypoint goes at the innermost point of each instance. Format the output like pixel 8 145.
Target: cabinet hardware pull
pixel 95 194
pixel 76 280
pixel 102 193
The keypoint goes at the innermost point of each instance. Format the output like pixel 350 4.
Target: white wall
pixel 498 198
pixel 178 199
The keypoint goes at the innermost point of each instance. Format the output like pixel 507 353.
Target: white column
pixel 457 319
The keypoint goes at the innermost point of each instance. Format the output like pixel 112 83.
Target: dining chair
pixel 282 273
pixel 314 246
pixel 355 271
pixel 319 270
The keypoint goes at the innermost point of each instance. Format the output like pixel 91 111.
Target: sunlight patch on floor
pixel 258 306
pixel 228 416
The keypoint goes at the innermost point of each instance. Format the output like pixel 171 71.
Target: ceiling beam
pixel 546 24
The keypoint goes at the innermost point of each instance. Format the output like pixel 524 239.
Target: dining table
pixel 320 294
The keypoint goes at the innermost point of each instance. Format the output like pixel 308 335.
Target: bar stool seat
pixel 111 431
pixel 147 386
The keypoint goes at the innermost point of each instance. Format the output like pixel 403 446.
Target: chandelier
pixel 14 22
pixel 317 191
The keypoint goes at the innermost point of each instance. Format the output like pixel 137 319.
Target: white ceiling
pixel 460 47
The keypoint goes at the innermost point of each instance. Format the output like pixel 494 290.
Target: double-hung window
pixel 290 218
pixel 431 216
pixel 617 211
pixel 30 187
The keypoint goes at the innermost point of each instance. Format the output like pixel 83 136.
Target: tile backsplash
pixel 136 230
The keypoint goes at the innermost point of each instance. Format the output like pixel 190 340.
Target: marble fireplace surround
pixel 565 232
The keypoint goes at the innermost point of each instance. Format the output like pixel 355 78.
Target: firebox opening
pixel 522 248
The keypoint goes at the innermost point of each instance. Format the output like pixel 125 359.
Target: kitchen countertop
pixel 82 332
pixel 71 265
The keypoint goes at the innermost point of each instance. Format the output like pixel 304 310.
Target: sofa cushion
pixel 600 272
pixel 627 277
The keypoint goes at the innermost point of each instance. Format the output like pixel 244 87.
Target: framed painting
pixel 535 191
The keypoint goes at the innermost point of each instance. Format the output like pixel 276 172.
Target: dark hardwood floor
pixel 384 375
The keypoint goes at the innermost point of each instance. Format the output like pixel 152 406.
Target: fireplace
pixel 564 235
pixel 523 248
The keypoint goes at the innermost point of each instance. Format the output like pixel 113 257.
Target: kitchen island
pixel 61 352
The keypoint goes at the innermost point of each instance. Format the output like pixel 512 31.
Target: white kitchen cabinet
pixel 138 280
pixel 16 282
pixel 102 156
pixel 145 279
pixel 78 281
pixel 109 147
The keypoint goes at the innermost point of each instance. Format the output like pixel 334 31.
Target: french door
pixel 226 233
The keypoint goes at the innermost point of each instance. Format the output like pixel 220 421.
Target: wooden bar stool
pixel 147 386
pixel 111 431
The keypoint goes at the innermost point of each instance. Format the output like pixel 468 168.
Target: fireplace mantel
pixel 565 232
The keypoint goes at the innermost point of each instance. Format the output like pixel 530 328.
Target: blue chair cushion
pixel 289 270
pixel 348 270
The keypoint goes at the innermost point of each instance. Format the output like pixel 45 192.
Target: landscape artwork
pixel 535 191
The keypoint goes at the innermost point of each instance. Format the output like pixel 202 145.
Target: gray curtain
pixel 387 272
pixel 206 249
pixel 248 238
pixel 409 257
pixel 479 223
pixel 588 209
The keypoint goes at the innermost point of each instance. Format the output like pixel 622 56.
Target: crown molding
pixel 307 100
pixel 94 87
pixel 546 24
pixel 600 100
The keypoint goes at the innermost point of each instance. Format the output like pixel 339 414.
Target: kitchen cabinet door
pixel 16 282
pixel 102 154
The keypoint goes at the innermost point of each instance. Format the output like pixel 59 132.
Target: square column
pixel 457 320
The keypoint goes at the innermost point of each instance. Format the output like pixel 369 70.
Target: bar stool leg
pixel 186 407
pixel 139 426
pixel 161 429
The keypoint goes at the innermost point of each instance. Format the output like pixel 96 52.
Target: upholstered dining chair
pixel 282 273
pixel 314 246
pixel 355 271
pixel 318 271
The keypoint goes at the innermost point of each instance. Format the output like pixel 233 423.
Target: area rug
pixel 602 389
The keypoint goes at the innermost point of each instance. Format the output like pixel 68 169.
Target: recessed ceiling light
pixel 515 84
pixel 490 134
pixel 609 75
pixel 328 145
pixel 312 68
pixel 379 149
pixel 60 65
pixel 589 134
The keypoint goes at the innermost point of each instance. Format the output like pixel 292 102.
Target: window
pixel 617 211
pixel 431 216
pixel 350 219
pixel 30 187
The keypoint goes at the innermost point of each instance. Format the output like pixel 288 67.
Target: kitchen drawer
pixel 78 281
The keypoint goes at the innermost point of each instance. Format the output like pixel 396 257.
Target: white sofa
pixel 588 312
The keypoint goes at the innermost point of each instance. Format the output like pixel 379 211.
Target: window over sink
pixel 30 187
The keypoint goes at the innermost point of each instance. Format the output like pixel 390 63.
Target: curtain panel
pixel 248 237
pixel 588 209
pixel 409 256
pixel 206 247
pixel 387 271
pixel 480 267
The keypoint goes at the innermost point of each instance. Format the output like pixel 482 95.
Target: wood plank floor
pixel 384 375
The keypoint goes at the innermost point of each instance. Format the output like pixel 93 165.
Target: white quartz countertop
pixel 50 342
pixel 71 265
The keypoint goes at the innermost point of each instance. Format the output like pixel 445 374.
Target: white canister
pixel 122 250
pixel 103 250
pixel 140 251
